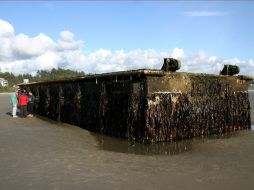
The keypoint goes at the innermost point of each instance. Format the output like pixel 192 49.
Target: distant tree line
pixel 41 75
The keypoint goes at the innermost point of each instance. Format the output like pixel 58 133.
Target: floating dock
pixel 147 105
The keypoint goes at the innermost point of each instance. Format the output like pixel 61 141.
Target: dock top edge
pixel 140 72
pixel 130 73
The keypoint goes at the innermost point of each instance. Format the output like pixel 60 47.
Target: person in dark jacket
pixel 30 104
pixel 22 102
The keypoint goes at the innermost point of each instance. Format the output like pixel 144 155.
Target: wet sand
pixel 38 154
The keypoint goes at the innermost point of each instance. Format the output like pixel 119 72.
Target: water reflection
pixel 163 148
pixel 123 146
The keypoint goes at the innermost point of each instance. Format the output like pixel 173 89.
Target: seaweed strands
pixel 167 117
pixel 154 108
pixel 175 116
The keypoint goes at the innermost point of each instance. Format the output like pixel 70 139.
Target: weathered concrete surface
pixel 186 105
pixel 38 154
pixel 148 107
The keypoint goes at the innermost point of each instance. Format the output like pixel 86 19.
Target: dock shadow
pixel 121 145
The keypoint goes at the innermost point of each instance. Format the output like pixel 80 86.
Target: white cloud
pixel 177 53
pixel 26 47
pixel 67 42
pixel 5 49
pixel 103 60
pixel 24 54
pixel 6 29
pixel 202 63
pixel 204 13
pixel 66 36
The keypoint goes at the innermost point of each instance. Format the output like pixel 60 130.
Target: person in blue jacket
pixel 14 103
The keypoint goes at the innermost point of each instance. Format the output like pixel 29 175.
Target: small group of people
pixel 23 100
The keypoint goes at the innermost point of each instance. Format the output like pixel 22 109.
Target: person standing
pixel 22 102
pixel 30 106
pixel 14 103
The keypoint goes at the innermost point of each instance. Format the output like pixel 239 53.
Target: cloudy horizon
pixel 24 54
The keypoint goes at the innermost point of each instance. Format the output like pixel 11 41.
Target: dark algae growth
pixel 148 105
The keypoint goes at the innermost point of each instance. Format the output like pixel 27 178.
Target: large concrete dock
pixel 39 154
pixel 147 106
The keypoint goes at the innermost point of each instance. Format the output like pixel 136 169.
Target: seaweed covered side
pixel 148 108
pixel 111 107
pixel 199 105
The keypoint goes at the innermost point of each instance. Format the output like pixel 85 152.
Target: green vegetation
pixel 7 89
pixel 41 75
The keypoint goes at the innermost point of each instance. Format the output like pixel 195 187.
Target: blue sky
pixel 223 29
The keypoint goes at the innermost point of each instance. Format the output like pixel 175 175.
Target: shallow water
pixel 37 154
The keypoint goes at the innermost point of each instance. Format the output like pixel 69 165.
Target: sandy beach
pixel 40 154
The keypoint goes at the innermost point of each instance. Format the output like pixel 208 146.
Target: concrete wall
pixel 149 108
pixel 114 108
pixel 185 105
